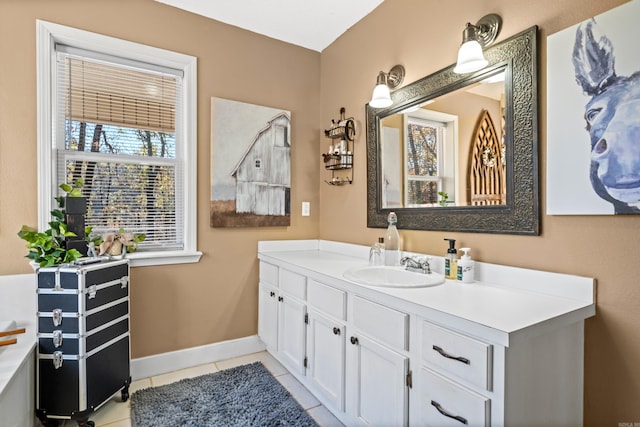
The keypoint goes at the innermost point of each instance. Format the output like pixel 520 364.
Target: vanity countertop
pixel 514 303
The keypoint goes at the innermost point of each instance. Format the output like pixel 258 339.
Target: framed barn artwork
pixel 250 165
pixel 593 116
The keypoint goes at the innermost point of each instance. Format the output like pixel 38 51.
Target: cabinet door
pixel 376 385
pixel 291 332
pixel 268 316
pixel 326 358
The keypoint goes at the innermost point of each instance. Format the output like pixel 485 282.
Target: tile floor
pixel 117 414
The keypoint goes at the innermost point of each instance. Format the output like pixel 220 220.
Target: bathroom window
pixel 121 117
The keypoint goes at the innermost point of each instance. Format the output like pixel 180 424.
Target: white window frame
pixel 48 34
pixel 447 152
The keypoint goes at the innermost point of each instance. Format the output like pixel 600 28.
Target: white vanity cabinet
pixel 377 391
pixel 506 353
pixel 450 364
pixel 282 315
pixel 326 343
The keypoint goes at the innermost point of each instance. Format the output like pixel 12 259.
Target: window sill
pixel 145 259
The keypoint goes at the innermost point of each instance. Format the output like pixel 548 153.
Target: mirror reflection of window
pixel 423 147
pixel 430 141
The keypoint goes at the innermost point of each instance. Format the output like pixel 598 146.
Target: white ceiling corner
pixel 313 24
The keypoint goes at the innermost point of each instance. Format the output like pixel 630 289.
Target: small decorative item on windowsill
pixel 116 245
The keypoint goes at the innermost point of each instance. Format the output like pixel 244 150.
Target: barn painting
pixel 593 116
pixel 250 165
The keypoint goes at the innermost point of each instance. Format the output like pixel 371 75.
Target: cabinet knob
pixel 280 299
pixel 336 331
pixel 272 294
pixel 354 340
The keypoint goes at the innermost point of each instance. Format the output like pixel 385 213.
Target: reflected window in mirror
pixel 435 144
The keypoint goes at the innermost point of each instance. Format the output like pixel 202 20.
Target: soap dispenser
pixel 392 242
pixel 465 267
pixel 451 261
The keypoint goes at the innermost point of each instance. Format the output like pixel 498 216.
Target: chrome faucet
pixel 417 265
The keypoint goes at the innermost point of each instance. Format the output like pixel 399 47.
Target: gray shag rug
pixel 246 395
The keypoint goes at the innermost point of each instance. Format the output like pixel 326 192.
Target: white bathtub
pixel 17 361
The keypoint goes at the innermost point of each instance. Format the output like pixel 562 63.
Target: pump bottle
pixel 451 261
pixel 392 242
pixel 465 267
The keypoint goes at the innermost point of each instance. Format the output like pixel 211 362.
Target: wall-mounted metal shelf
pixel 340 155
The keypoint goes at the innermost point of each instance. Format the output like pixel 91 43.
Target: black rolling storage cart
pixel 83 339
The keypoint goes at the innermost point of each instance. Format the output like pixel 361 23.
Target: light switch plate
pixel 306 208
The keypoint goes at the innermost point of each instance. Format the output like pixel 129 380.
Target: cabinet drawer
pixel 268 273
pixel 381 323
pixel 460 355
pixel 325 298
pixel 445 403
pixel 293 284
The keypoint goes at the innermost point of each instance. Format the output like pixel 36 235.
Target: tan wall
pixel 604 247
pixel 216 299
pixel 172 307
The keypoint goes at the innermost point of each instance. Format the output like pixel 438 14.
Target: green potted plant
pixel 50 247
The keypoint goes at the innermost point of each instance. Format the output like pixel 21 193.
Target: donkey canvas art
pixel 612 117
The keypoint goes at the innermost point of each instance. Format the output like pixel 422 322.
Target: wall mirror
pixel 460 152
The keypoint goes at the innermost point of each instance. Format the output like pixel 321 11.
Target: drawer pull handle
pixel 57 359
pixel 448 356
pixel 280 299
pixel 447 414
pixel 56 317
pixel 336 331
pixel 354 340
pixel 272 294
pixel 57 338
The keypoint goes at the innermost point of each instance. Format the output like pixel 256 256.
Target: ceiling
pixel 313 24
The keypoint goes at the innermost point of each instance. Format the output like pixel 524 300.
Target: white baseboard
pixel 157 364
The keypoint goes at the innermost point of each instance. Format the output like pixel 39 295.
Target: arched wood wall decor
pixel 487 175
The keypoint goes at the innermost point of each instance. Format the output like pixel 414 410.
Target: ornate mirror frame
pixel 518 56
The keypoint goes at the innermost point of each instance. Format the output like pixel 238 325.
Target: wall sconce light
pixel 474 39
pixel 381 97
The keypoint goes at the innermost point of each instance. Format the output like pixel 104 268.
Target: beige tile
pixel 323 417
pixel 122 423
pixel 267 360
pixel 114 410
pixel 298 391
pixel 139 385
pixel 183 373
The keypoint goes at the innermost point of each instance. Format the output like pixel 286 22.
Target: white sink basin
pixel 392 277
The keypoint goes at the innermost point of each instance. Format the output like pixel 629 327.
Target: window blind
pixel 116 130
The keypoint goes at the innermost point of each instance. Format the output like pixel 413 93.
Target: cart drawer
pixel 103 336
pixel 52 300
pixel 101 317
pixel 69 324
pixel 67 343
